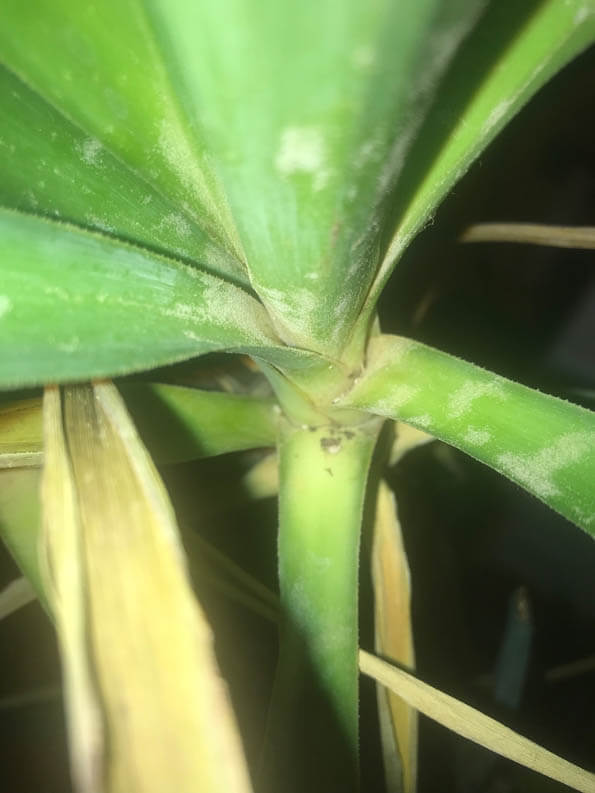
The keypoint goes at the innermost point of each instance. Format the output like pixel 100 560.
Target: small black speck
pixel 329 471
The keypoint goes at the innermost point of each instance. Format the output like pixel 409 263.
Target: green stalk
pixel 312 734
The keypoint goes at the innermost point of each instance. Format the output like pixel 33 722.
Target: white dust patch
pixel 5 305
pixel 582 14
pixel 176 223
pixel 422 421
pixel 293 311
pixel 463 398
pixel 90 151
pixel 223 312
pixel 536 471
pixel 302 150
pixel 477 437
pixel 363 56
pixel 400 395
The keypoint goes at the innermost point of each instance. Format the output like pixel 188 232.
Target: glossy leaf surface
pixel 544 444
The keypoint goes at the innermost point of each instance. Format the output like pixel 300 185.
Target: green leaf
pixel 180 424
pixel 75 305
pixel 544 444
pixel 176 423
pixel 303 106
pixel 515 49
pixel 50 166
pixel 101 66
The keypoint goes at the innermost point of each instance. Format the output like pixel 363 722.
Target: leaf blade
pixel 62 49
pixel 76 305
pixel 148 641
pixel 542 443
pixel 511 54
pixel 474 725
pixel 52 167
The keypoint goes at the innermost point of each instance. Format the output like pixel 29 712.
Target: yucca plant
pixel 186 177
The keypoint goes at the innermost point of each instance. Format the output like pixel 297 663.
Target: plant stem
pixel 312 734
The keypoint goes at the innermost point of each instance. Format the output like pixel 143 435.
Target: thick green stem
pixel 312 734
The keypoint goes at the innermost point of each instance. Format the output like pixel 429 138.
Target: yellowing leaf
pixel 20 433
pixel 394 639
pixel 133 638
pixel 474 725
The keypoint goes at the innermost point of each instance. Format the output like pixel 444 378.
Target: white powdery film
pixel 302 150
pixel 461 401
pixel 477 437
pixel 90 151
pixel 5 305
pixel 400 395
pixel 536 471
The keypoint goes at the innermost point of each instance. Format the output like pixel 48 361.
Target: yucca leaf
pixel 101 66
pixel 578 237
pixel 75 305
pixel 542 443
pixel 20 433
pixel 50 166
pixel 514 50
pixel 178 423
pixel 147 709
pixel 306 108
pixel 175 422
pixel 474 725
pixel 393 639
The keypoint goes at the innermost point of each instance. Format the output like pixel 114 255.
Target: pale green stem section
pixel 323 474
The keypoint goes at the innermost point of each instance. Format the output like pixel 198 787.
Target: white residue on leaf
pixel 583 517
pixel 477 437
pixel 422 421
pixel 461 401
pixel 90 151
pixel 400 395
pixel 177 223
pixel 5 305
pixel 302 150
pixel 363 56
pixel 583 12
pixel 536 471
pixel 175 150
pixel 100 223
pixel 220 308
pixel 292 310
